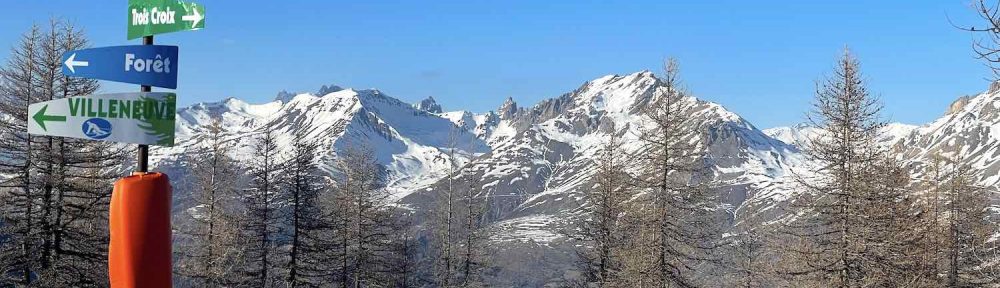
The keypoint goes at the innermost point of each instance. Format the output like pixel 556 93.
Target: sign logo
pixel 96 128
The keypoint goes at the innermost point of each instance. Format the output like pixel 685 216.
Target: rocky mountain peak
pixel 994 87
pixel 508 109
pixel 328 89
pixel 284 96
pixel 959 104
pixel 429 105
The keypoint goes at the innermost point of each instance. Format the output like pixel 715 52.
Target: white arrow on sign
pixel 71 63
pixel 194 18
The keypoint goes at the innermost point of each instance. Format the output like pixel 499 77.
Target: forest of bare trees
pixel 861 220
pixel 54 205
pixel 294 225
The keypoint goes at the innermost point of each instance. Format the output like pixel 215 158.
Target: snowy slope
pixel 552 144
pixel 408 142
pixel 797 135
pixel 969 129
pixel 800 135
pixel 482 125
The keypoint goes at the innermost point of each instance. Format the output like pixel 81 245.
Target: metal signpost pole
pixel 143 152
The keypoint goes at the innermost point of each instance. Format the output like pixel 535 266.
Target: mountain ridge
pixel 532 163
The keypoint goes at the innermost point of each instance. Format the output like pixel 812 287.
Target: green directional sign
pixel 140 118
pixel 40 117
pixel 151 17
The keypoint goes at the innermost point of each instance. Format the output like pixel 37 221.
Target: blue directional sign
pixel 153 65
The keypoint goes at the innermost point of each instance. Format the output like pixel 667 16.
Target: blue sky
pixel 759 59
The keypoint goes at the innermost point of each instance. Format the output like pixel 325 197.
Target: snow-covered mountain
pixel 429 105
pixel 969 129
pixel 545 152
pixel 535 176
pixel 407 142
pixel 800 135
pixel 481 125
pixel 532 162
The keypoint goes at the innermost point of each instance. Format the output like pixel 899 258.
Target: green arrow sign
pixel 40 117
pixel 151 17
pixel 140 118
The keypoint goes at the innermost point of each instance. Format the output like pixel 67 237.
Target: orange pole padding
pixel 139 254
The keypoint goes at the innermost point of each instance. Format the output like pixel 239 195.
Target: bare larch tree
pixel 681 219
pixel 262 211
pixel 365 222
pixel 210 255
pixel 859 225
pixel 18 225
pixel 307 219
pixel 970 257
pixel 607 202
pixel 445 219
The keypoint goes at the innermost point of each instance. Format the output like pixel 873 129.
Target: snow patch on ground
pixel 536 228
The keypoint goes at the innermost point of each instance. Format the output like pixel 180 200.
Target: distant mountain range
pixel 532 162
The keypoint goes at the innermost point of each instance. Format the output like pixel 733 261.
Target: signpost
pixel 153 65
pixel 139 214
pixel 151 17
pixel 140 118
